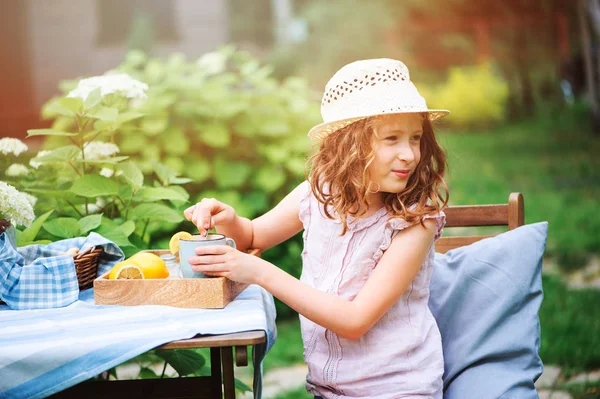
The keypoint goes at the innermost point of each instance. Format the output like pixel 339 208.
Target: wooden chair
pixel 511 215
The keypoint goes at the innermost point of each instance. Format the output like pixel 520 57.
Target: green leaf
pixel 128 227
pixel 132 173
pixel 62 194
pixel 164 173
pixel 274 153
pixel 157 212
pixel 230 174
pixel 274 128
pixel 104 114
pixel 154 125
pixel 48 132
pixel 63 227
pixel 146 373
pixel 214 135
pixel 32 231
pixel 133 143
pixel 269 179
pixel 128 116
pixel 111 231
pixel 174 141
pixel 296 165
pixel 199 170
pixel 258 201
pixel 54 108
pixel 185 362
pixel 74 104
pixel 240 386
pixel 183 192
pixel 94 98
pixel 89 223
pixel 160 193
pixel 62 154
pixel 180 180
pixel 92 186
pixel 112 160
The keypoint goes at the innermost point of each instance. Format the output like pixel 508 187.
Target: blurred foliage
pixel 551 159
pixel 229 126
pixel 476 96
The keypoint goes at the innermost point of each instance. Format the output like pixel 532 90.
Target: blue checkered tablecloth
pixel 39 276
pixel 53 337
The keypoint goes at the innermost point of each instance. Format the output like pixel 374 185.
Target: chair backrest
pixel 511 215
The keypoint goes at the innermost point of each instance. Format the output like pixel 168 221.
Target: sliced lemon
pixel 174 242
pixel 126 270
pixel 151 265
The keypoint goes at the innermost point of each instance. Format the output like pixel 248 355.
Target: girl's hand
pixel 225 261
pixel 208 213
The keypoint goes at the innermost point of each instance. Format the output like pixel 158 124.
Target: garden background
pixel 233 88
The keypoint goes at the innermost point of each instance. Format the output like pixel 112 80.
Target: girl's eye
pixel 391 138
pixel 417 137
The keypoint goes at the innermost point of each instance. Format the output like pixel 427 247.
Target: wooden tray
pixel 208 293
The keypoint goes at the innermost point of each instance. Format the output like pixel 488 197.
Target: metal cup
pixel 187 248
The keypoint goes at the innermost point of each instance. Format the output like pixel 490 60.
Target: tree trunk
pixel 587 13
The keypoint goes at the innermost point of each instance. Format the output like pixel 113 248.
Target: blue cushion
pixel 485 298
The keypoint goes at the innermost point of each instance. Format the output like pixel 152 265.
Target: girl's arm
pixel 350 319
pixel 388 282
pixel 264 232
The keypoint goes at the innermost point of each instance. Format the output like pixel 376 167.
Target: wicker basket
pixel 86 265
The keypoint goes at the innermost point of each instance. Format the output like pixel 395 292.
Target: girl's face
pixel 397 146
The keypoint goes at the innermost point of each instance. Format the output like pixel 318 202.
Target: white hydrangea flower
pixel 106 172
pixel 17 169
pixel 32 199
pixel 93 208
pixel 35 164
pixel 9 145
pixel 111 83
pixel 212 63
pixel 14 206
pixel 94 150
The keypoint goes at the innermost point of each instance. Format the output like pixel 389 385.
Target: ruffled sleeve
pixel 304 205
pixel 395 225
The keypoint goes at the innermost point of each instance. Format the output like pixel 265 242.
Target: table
pixel 221 359
pixel 45 352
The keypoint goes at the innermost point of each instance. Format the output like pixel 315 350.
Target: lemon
pixel 125 270
pixel 152 266
pixel 174 243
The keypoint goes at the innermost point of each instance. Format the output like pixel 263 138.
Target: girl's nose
pixel 406 154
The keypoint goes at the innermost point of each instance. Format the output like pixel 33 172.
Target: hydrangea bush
pixel 16 207
pixel 222 125
pixel 86 180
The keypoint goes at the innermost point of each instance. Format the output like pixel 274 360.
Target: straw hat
pixel 368 88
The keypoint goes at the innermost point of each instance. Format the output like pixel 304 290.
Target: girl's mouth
pixel 401 173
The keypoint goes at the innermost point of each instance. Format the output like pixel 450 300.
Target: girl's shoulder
pixel 397 223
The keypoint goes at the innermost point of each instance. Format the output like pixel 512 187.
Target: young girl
pixel 371 210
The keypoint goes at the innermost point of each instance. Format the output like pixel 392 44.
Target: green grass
pixel 288 349
pixel 588 390
pixel 570 326
pixel 552 160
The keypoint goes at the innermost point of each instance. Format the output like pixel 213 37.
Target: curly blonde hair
pixel 339 177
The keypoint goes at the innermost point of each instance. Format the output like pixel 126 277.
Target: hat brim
pixel 322 130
